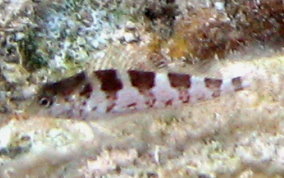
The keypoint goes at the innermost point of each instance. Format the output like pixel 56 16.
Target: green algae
pixel 33 59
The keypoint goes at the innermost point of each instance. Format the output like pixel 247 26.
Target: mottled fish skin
pixel 93 95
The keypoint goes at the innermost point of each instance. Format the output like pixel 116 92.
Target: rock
pixel 13 73
pixel 19 36
pixel 3 96
pixel 130 26
pixel 219 6
pixel 25 92
pixel 129 37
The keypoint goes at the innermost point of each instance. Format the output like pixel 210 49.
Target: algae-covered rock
pixel 238 135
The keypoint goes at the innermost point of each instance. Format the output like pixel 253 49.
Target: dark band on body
pixel 142 80
pixel 66 86
pixel 237 83
pixel 86 90
pixel 109 80
pixel 213 83
pixel 179 80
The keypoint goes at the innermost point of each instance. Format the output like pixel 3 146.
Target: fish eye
pixel 46 101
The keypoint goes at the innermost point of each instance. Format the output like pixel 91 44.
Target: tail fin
pixel 234 84
pixel 208 88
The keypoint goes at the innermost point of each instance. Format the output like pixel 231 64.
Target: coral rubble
pixel 218 29
pixel 234 136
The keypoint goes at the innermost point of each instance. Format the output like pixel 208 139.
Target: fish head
pixel 57 99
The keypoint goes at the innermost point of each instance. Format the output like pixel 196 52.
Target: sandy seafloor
pixel 237 135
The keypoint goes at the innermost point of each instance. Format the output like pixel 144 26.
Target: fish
pixel 96 94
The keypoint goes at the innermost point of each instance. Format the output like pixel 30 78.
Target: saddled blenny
pixel 93 95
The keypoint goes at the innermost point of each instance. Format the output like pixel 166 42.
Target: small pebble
pixel 29 91
pixel 130 26
pixel 219 6
pixel 129 37
pixel 19 36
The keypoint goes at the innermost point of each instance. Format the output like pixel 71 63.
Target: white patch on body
pixel 129 99
pixel 98 101
pixel 198 90
pixel 227 86
pixel 163 92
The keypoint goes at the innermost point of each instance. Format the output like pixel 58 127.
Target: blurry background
pixel 234 136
